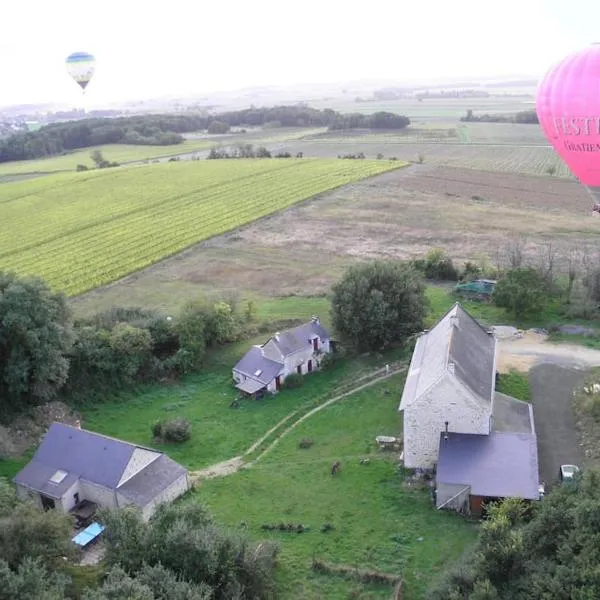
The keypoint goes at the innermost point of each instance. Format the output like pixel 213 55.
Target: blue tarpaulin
pixel 88 535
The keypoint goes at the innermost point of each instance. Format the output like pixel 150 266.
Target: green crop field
pixel 82 230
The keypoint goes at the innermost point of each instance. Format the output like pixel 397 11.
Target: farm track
pixel 237 463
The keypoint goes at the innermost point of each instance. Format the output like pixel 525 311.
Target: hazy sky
pixel 199 46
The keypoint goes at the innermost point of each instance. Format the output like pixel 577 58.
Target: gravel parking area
pixel 551 389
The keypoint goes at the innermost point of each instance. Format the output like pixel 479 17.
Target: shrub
pixel 82 168
pixel 471 271
pixel 295 380
pixel 305 443
pixel 330 360
pixel 439 266
pixel 176 430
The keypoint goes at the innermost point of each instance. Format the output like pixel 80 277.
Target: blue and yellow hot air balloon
pixel 81 66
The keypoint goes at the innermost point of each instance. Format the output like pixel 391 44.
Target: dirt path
pixel 227 467
pixel 534 348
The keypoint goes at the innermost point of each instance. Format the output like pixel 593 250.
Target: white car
pixel 567 472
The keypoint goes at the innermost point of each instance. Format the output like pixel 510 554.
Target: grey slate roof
pixel 92 457
pixel 253 361
pixel 498 465
pixel 287 342
pixel 250 386
pixel 295 339
pixel 157 476
pixel 458 340
pixel 512 415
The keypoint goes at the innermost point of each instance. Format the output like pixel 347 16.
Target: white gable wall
pixel 99 494
pixel 139 460
pixel 424 420
pixel 270 350
pixel 68 498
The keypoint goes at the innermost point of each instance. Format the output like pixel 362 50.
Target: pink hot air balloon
pixel 568 108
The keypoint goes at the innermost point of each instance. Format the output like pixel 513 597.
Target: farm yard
pixel 79 231
pixel 400 214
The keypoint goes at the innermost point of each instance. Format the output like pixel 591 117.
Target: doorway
pixel 47 503
pixel 310 366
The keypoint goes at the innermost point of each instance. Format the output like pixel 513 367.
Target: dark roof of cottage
pixel 298 338
pixel 80 454
pixel 287 342
pixel 91 456
pixel 512 415
pixel 254 361
pixel 143 487
pixel 498 465
pixel 456 342
pixel 250 386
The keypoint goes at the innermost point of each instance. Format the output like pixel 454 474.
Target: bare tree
pixel 573 260
pixel 515 251
pixel 547 254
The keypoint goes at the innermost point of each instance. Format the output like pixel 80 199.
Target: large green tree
pixel 35 335
pixel 522 291
pixel 378 304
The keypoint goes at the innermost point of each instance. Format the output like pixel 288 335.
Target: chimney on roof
pixel 451 368
pixel 277 335
pixel 446 431
pixel 78 424
pixel 315 319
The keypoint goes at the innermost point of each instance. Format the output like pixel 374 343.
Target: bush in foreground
pixel 185 540
pixel 175 430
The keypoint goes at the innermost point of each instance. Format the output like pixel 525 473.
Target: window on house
pixel 58 476
pixel 76 497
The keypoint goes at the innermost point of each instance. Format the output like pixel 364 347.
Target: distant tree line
pixel 524 116
pixel 163 130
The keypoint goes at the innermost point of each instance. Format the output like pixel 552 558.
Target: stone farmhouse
pixel 480 444
pixel 299 350
pixel 73 466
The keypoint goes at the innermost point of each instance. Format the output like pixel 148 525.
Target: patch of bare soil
pixel 529 348
pixel 27 431
pixel 401 214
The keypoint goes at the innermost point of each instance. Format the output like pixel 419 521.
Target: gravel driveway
pixel 551 390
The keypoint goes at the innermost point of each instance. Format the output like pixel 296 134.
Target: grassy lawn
pixel 515 384
pixel 378 524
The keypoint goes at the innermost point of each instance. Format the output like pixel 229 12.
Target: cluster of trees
pixel 181 554
pixel 377 305
pixel 163 130
pixel 45 353
pixel 247 151
pixel 546 550
pixel 524 116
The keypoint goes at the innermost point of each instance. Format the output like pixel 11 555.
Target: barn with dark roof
pixel 480 444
